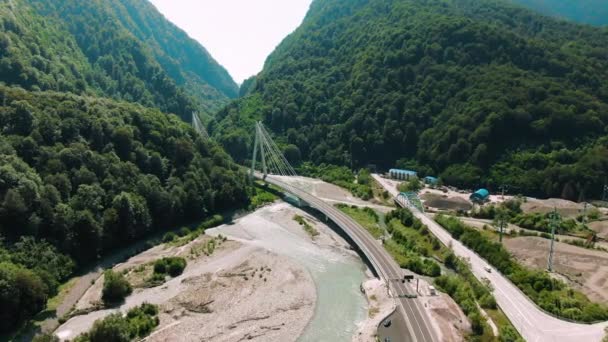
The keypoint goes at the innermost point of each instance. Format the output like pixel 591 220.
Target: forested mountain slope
pixel 121 48
pixel 87 175
pixel 480 92
pixel 594 12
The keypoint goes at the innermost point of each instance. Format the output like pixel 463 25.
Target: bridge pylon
pixel 198 126
pixel 273 160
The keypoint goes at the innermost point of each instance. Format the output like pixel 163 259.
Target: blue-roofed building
pixel 431 180
pixel 402 174
pixel 480 196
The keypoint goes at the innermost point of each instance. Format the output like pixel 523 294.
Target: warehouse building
pixel 480 196
pixel 402 174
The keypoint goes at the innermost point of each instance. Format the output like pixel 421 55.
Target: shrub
pixel 112 328
pixel 184 231
pixel 142 320
pixel 176 266
pixel 173 266
pixel 160 267
pixel 46 337
pixel 211 222
pixel 115 287
pixel 168 237
pixel 138 323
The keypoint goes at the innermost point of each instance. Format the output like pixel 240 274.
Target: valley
pixel 396 171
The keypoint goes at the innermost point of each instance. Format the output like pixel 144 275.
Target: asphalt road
pixel 532 323
pixel 417 325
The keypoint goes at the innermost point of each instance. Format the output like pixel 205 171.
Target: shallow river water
pixel 337 273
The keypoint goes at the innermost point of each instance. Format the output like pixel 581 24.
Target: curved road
pixel 419 328
pixel 532 323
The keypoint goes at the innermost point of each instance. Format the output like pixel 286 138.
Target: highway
pixel 532 323
pixel 419 326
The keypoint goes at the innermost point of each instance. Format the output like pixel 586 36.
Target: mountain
pixel 479 92
pixel 593 12
pixel 122 49
pixel 91 156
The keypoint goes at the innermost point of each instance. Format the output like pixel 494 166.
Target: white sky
pixel 239 34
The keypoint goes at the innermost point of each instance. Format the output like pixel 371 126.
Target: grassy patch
pixel 373 311
pixel 307 227
pixel 260 197
pixel 63 290
pixel 381 195
pixel 341 176
pixel 366 217
pixel 207 247
pixel 506 330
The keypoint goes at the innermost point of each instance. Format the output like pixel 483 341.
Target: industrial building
pixel 402 174
pixel 480 196
pixel 431 180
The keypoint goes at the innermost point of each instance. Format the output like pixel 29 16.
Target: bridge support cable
pixel 198 126
pixel 273 160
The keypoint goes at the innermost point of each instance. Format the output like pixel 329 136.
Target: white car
pixel 488 269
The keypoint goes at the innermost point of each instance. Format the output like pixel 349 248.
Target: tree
pixel 21 119
pixel 133 216
pixel 293 155
pixel 123 141
pixel 22 294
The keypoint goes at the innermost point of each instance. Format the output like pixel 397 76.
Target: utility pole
pixel 502 227
pixel 585 213
pixel 502 190
pixel 554 222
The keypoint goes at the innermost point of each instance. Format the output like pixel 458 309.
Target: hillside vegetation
pixel 87 175
pixel 594 12
pixel 477 92
pixel 120 49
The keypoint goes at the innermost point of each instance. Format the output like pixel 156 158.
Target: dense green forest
pixel 481 93
pixel 594 12
pixel 120 49
pixel 80 176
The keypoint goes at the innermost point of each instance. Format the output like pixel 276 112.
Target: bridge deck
pixel 417 319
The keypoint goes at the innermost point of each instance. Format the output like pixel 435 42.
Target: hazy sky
pixel 239 34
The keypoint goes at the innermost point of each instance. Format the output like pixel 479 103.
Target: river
pixel 336 271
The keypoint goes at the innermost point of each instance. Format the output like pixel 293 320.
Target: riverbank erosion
pixel 239 292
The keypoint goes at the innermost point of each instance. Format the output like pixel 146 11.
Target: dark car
pixel 387 323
